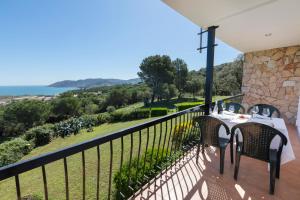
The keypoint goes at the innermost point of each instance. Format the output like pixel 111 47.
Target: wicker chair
pixel 256 140
pixel 262 106
pixel 209 135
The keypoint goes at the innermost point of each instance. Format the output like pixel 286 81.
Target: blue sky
pixel 46 41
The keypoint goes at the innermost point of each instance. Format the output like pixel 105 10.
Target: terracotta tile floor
pixel 189 180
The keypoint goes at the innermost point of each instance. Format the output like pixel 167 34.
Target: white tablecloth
pixel 278 123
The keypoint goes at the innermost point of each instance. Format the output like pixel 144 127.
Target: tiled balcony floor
pixel 189 180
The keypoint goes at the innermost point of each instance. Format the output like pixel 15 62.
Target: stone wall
pixel 273 77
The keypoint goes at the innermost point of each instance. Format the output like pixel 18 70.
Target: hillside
pixel 89 83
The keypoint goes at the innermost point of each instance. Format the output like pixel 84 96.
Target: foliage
pixel 110 109
pixel 40 135
pixel 186 105
pixel 66 128
pixel 88 121
pixel 118 116
pixel 134 174
pixel 19 116
pixel 195 86
pixel 167 91
pixel 156 112
pixel 66 107
pixel 181 75
pixel 156 71
pixel 184 134
pixel 13 150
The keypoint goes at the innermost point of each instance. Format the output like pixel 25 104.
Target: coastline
pixel 7 99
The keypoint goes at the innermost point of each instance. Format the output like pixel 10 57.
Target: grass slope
pixel 32 183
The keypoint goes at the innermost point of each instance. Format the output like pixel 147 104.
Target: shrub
pixel 103 118
pixel 14 150
pixel 116 116
pixel 150 160
pixel 186 105
pixel 184 134
pixel 142 113
pixel 110 109
pixel 63 129
pixel 40 135
pixel 88 121
pixel 156 112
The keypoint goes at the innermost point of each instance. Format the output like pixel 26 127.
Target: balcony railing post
pixel 209 67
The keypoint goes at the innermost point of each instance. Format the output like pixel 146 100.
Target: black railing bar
pixel 45 182
pixel 18 187
pixel 83 175
pixel 110 170
pixel 66 178
pixel 98 172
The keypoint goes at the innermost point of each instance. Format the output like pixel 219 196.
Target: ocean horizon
pixel 36 90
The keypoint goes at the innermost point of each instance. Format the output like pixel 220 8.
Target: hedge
pixel 186 105
pixel 14 150
pixel 156 112
pixel 118 116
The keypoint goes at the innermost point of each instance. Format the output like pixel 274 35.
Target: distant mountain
pixel 89 83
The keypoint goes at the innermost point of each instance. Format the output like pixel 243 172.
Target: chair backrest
pixel 256 139
pixel 238 108
pixel 209 127
pixel 262 106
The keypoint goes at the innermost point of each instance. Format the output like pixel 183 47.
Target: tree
pixel 19 116
pixel 66 107
pixel 167 91
pixel 194 86
pixel 181 75
pixel 155 71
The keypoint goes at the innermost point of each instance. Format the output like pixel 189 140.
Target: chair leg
pixel 222 155
pixel 198 151
pixel 202 146
pixel 272 177
pixel 237 164
pixel 231 152
pixel 278 169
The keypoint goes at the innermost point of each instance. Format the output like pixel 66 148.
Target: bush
pixel 118 116
pixel 186 105
pixel 88 121
pixel 156 112
pixel 40 135
pixel 152 159
pixel 14 150
pixel 142 113
pixel 184 134
pixel 103 118
pixel 110 109
pixel 64 129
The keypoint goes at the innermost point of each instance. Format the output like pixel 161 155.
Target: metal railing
pixel 139 147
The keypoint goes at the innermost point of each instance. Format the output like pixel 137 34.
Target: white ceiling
pixel 244 24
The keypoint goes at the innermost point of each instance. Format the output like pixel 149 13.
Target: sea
pixel 32 90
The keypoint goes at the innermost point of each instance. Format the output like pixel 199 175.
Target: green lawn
pixel 31 182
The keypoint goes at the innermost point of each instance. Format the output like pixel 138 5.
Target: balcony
pixel 154 160
pixel 191 180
